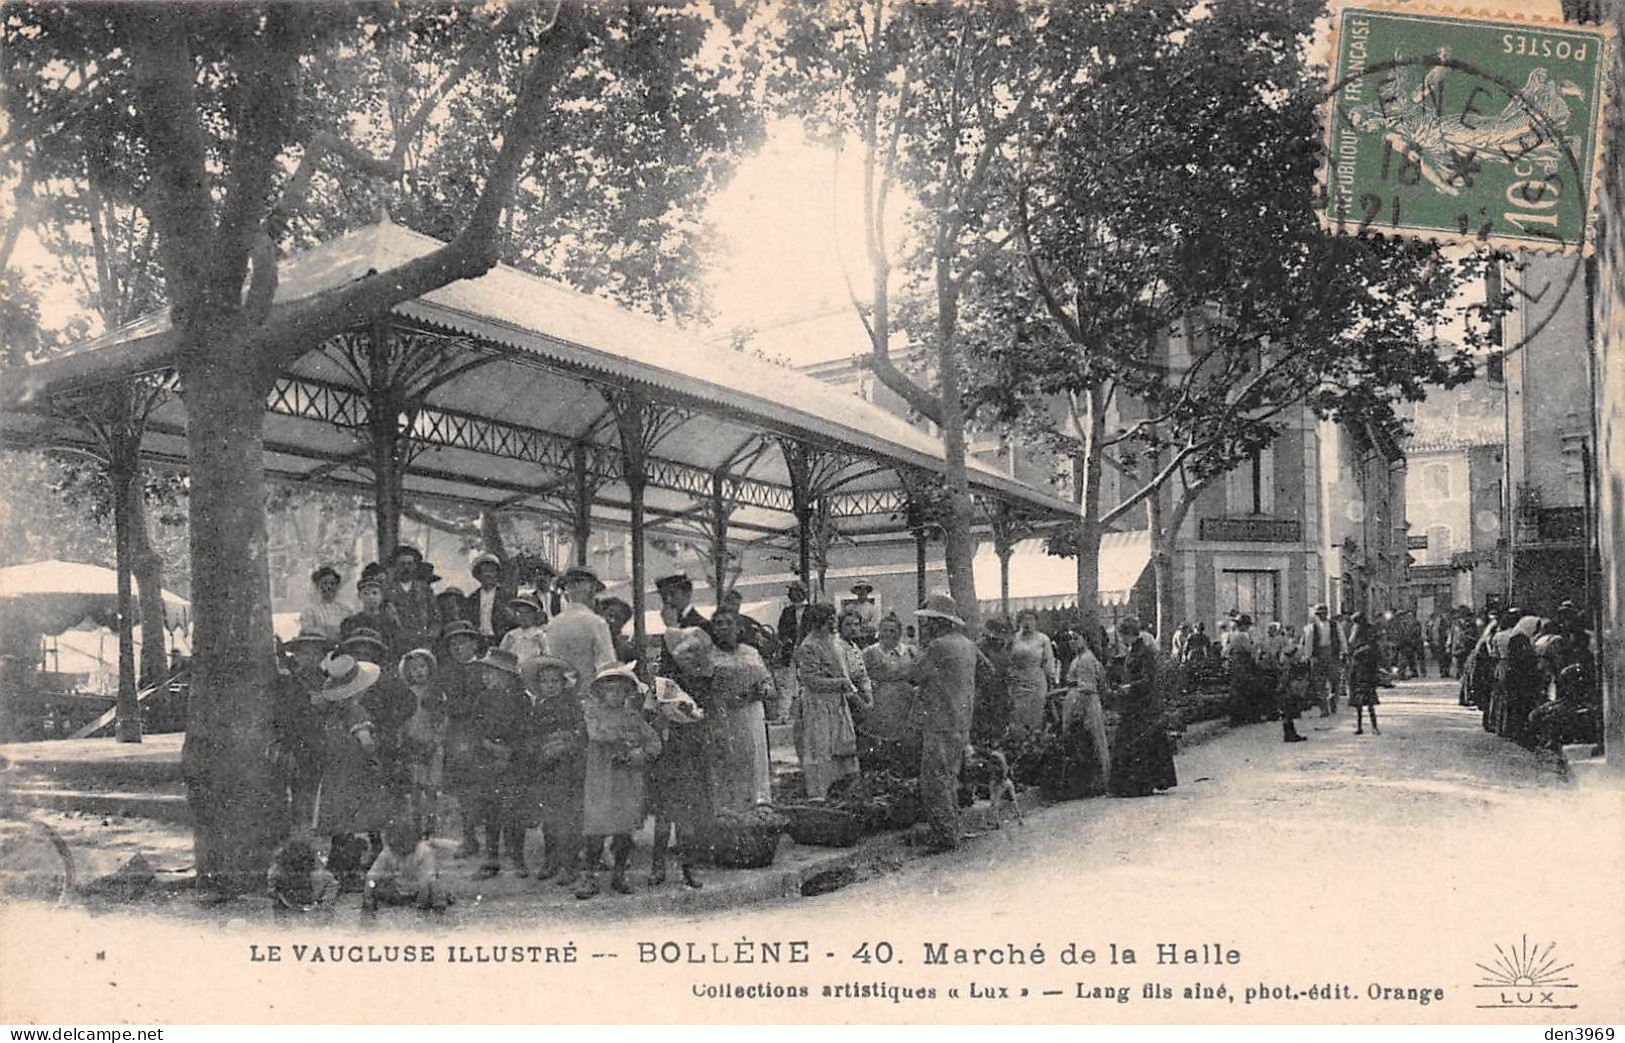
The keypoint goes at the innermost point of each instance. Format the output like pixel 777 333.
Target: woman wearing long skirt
pixel 1032 671
pixel 1143 760
pixel 1364 657
pixel 889 734
pixel 737 724
pixel 826 741
pixel 1086 762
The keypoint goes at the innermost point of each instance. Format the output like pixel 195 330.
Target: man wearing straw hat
pixel 946 676
pixel 578 635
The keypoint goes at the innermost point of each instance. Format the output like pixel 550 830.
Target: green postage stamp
pixel 1464 128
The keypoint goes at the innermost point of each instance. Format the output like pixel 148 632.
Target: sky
pixel 792 220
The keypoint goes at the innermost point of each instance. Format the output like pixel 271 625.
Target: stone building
pixel 1453 497
pixel 1364 475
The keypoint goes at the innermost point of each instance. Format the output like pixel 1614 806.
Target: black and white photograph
pixel 812 511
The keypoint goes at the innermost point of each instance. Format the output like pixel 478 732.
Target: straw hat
pixel 526 601
pixel 458 626
pixel 308 637
pixel 364 636
pixel 346 677
pixel 621 671
pixel 484 559
pixel 941 606
pixel 500 659
pixel 531 670
pixel 417 653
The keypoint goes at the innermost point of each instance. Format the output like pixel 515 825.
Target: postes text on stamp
pixel 1464 129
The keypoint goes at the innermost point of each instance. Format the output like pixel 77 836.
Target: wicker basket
pixel 824 826
pixel 746 847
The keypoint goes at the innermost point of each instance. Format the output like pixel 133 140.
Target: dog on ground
pixel 987 770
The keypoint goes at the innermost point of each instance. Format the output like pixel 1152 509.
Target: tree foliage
pixel 1171 196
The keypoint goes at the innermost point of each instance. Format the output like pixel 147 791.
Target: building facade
pixel 1548 420
pixel 1455 454
pixel 1365 531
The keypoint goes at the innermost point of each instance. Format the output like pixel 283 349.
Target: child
pixel 559 763
pixel 619 744
pixel 528 638
pixel 460 681
pixel 501 723
pixel 404 873
pixel 376 616
pixel 297 881
pixel 422 739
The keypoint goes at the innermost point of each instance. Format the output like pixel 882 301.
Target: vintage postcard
pixel 791 513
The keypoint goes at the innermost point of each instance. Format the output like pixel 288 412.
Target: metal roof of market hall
pixel 502 432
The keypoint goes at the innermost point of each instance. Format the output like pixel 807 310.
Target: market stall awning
pixel 536 365
pixel 1040 580
pixel 56 595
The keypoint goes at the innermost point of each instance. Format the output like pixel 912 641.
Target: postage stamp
pixel 1469 129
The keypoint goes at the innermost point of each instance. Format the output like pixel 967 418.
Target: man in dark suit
pixel 677 610
pixel 487 607
pixel 790 622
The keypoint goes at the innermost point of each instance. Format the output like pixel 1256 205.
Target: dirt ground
pixel 1430 857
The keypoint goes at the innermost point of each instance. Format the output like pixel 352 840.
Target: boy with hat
pixel 501 726
pixel 560 731
pixel 487 607
pixel 460 680
pixel 528 637
pixel 375 615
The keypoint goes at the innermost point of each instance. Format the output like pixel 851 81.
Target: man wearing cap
pixel 677 610
pixel 790 622
pixel 945 675
pixel 868 611
pixel 1322 648
pixel 487 607
pixel 578 635
pixel 412 599
pixel 375 614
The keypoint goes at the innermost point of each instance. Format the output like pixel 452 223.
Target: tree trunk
pixel 1086 468
pixel 1161 563
pixel 1165 551
pixel 148 566
pixel 122 474
pixel 959 541
pixel 238 805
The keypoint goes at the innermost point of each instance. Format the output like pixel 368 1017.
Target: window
pixel 278 562
pixel 1438 545
pixel 1249 591
pixel 1250 488
pixel 1436 479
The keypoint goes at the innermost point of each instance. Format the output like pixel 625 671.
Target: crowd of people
pixel 1531 677
pixel 528 710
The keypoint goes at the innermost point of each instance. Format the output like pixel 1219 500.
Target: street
pixel 1402 861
